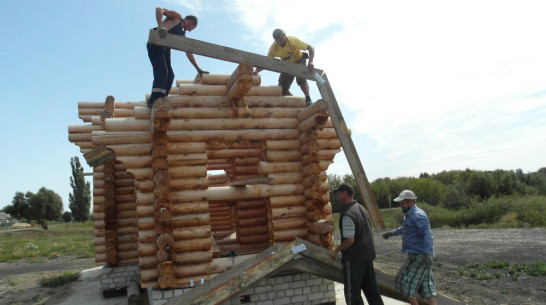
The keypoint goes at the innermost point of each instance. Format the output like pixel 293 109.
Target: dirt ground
pixel 455 249
pixel 19 282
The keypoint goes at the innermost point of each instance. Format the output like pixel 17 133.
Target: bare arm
pixel 310 64
pixel 346 243
pixel 192 60
pixel 194 63
pixel 172 18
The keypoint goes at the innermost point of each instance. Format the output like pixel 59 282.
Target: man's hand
pixel 162 32
pixel 201 72
pixel 333 254
pixel 387 235
pixel 311 67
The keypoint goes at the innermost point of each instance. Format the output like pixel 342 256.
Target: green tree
pixel 481 184
pixel 382 193
pixel 334 181
pixel 538 183
pixel 80 198
pixel 44 205
pixel 67 216
pixel 19 207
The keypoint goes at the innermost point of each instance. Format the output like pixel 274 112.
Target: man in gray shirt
pixel 357 250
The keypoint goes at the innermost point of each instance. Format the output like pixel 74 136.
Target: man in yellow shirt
pixel 289 48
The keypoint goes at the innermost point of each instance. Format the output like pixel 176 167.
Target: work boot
pixel 154 96
pixel 308 100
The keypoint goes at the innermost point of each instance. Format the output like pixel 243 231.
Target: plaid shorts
pixel 415 276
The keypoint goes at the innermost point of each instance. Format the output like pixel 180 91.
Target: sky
pixel 424 86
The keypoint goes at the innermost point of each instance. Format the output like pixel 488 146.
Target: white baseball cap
pixel 406 194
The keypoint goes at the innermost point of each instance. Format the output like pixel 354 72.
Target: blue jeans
pixel 163 72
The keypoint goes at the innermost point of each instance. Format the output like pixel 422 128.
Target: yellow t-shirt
pixel 291 50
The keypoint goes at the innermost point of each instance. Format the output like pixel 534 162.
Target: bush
pixel 59 280
pixel 505 211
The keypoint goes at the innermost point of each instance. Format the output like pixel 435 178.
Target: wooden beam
pixel 257 180
pixel 99 156
pixel 194 46
pixel 238 278
pixel 350 152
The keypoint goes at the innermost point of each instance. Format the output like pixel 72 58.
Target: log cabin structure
pixel 221 170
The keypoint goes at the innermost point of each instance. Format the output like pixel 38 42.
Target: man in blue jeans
pixel 357 250
pixel 417 240
pixel 160 57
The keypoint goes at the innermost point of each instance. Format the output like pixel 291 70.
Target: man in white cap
pixel 417 240
pixel 289 48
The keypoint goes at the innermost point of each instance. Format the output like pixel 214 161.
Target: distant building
pixel 6 219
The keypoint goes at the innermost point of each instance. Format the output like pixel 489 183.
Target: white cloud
pixel 451 81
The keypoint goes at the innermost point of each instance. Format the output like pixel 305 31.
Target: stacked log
pixel 163 216
pixel 286 213
pixel 221 216
pixel 104 214
pixel 126 218
pixel 251 221
pixel 317 201
pixel 166 204
pixel 240 82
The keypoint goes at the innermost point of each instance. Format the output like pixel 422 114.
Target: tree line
pixel 46 205
pixel 453 190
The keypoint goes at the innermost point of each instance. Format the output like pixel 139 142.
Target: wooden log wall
pixel 114 207
pixel 167 207
pixel 317 201
pixel 222 218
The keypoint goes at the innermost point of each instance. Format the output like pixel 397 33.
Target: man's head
pixel 280 37
pixel 345 192
pixel 406 199
pixel 190 23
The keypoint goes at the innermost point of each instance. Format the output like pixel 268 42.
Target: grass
pixel 62 239
pixel 483 271
pixel 59 280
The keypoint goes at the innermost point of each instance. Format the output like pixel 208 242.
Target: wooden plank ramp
pixel 299 255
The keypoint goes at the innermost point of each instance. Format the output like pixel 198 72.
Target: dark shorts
pixel 415 276
pixel 286 80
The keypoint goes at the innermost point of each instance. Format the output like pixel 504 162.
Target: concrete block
pixel 315 296
pixel 314 281
pixel 282 301
pixel 157 294
pixel 299 298
pixel 298 284
pixel 262 296
pixel 262 289
pixel 283 286
pixel 178 292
